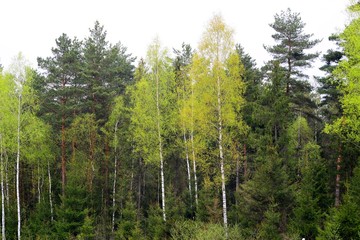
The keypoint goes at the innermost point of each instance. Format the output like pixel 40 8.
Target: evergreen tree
pixel 291 51
pixel 267 198
pixel 107 71
pixel 57 88
pixel 73 211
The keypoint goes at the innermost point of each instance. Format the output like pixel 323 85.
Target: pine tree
pixel 291 51
pixel 57 89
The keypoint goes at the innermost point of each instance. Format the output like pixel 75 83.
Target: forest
pixel 196 142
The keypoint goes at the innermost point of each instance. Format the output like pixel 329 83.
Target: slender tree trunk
pixel 338 177
pixel 160 147
pixel 221 155
pixel 187 162
pixel 18 171
pixel 50 194
pixel 63 160
pixel 115 175
pixel 193 147
pixel 3 236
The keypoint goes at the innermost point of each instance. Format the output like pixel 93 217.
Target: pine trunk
pixel 221 155
pixel 63 161
pixel 18 171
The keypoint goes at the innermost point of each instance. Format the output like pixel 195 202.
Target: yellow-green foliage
pixel 218 88
pixel 348 126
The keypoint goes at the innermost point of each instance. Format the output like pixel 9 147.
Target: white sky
pixel 32 26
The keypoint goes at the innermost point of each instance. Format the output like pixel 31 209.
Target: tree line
pixel 196 143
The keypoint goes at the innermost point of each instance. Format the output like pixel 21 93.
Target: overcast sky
pixel 32 26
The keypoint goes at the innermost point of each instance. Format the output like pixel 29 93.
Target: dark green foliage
pixel 58 86
pixel 129 226
pixel 73 210
pixel 268 195
pixel 155 225
pixel 291 44
pixel 39 223
pixel 312 198
pixel 276 104
pixel 107 71
pixel 291 51
pixel 269 227
pixel 329 85
pixel 344 222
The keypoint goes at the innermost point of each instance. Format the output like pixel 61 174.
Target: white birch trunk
pixel 18 171
pixel 193 147
pixel 115 174
pixel 3 236
pixel 50 194
pixel 221 154
pixel 160 147
pixel 187 162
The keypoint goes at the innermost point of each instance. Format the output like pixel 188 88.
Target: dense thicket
pixel 198 143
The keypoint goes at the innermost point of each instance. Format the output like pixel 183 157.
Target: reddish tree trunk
pixel 63 160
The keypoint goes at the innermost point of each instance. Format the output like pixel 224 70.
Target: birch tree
pixel 18 70
pixel 182 64
pixel 7 133
pixel 220 89
pixel 116 128
pixel 153 110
